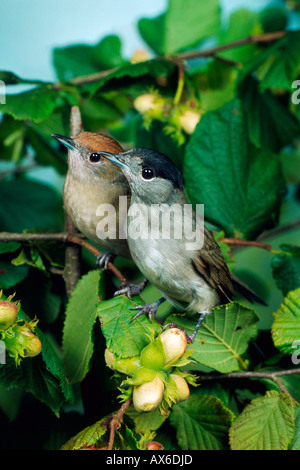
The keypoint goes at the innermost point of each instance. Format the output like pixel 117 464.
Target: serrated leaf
pixel 202 423
pixel 223 337
pixel 286 326
pixel 295 445
pixel 33 376
pixel 123 338
pixel 270 124
pixel 266 424
pixel 43 375
pixel 52 362
pixel 240 186
pixel 286 268
pixel 185 24
pixel 33 105
pixel 81 314
pixel 277 66
pixel 88 436
pixel 145 422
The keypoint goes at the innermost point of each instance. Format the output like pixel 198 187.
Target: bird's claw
pixel 131 289
pixel 104 259
pixel 147 309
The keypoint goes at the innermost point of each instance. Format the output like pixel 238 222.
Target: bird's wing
pixel 211 265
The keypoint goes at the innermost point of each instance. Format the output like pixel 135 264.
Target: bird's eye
pixel 147 174
pixel 95 157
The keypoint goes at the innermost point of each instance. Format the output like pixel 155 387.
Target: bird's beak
pixel 114 158
pixel 66 141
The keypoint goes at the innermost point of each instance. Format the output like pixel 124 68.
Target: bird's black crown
pixel 162 166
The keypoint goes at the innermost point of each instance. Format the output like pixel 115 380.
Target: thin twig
pixel 267 37
pixel 239 242
pixel 188 55
pixel 114 424
pixel 62 237
pixel 272 375
pixel 249 375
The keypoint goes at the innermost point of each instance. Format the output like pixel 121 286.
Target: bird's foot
pixel 131 289
pixel 147 309
pixel 104 259
pixel 199 323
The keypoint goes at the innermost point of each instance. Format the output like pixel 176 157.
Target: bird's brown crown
pixel 97 142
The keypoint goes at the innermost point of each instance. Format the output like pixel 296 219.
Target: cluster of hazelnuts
pixel 153 378
pixel 17 335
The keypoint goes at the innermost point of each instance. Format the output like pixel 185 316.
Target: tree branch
pixel 114 424
pixel 188 55
pixel 249 375
pixel 266 37
pixel 72 271
pixel 272 375
pixel 239 242
pixel 64 237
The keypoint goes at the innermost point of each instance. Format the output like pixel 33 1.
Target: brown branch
pixel 272 375
pixel 62 237
pixel 249 375
pixel 114 424
pixel 72 271
pixel 267 37
pixel 188 55
pixel 239 242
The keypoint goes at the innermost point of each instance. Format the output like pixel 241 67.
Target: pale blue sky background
pixel 30 29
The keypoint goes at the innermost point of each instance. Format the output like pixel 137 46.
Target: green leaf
pixel 201 423
pixel 242 23
pixel 226 251
pixel 276 67
pixel 33 105
pixel 10 78
pixel 88 436
pixel 11 275
pixel 295 445
pixel 43 375
pixel 223 337
pixel 184 25
pixel 286 327
pixel 33 376
pixel 270 124
pixel 266 424
pixel 239 185
pixel 29 204
pixel 31 258
pixel 130 74
pixel 108 52
pixel 286 268
pixel 9 247
pixel 145 422
pixel 123 338
pixel 74 61
pixel 81 314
